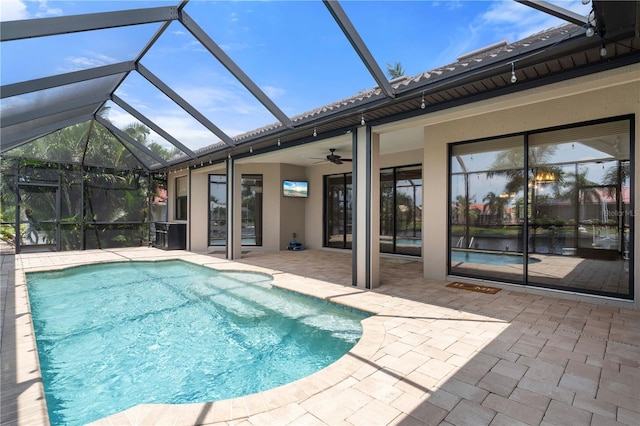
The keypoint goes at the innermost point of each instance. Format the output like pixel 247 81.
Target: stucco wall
pixel 199 210
pixel 292 210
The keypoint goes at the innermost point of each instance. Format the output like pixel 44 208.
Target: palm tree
pixel 494 205
pixel 395 71
pixel 581 191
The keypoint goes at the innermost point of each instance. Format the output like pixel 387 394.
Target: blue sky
pixel 293 50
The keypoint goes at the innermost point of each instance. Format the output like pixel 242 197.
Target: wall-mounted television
pixel 295 188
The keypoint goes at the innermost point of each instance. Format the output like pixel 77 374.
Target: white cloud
pixel 13 10
pixel 183 130
pixel 45 11
pixel 517 21
pixel 229 99
pixel 236 46
pixel 75 63
pixel 273 92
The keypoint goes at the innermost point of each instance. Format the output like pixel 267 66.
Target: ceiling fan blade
pixel 346 159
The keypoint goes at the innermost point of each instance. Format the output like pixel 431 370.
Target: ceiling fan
pixel 335 158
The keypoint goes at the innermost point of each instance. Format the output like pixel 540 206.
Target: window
pixel 400 210
pixel 551 208
pixel 251 186
pixel 182 191
pixel 217 210
pixel 251 210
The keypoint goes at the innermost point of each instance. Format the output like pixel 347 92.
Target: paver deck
pixel 430 355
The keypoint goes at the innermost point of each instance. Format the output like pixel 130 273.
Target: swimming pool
pixel 116 335
pixel 489 258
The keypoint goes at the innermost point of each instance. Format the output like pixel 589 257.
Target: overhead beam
pixel 152 125
pixel 44 83
pixel 10 142
pixel 35 114
pixel 360 47
pixel 40 27
pixel 557 11
pixel 233 68
pixel 120 134
pixel 151 78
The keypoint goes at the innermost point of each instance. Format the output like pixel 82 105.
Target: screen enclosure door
pixel 38 218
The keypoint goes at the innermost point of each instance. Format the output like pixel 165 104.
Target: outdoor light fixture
pixel 603 49
pixel 590 31
pixel 278 141
pixel 422 104
pixel 362 119
pixel 545 177
pixel 315 133
pixel 513 73
pixel 229 156
pixel 250 150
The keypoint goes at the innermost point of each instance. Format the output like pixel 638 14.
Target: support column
pixel 234 210
pixel 366 211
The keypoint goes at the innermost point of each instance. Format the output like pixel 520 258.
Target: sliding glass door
pixel 338 211
pixel 251 188
pixel 550 208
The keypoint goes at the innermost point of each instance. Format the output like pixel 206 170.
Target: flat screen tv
pixel 295 188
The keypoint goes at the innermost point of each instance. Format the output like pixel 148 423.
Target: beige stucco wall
pixel 199 212
pixel 291 210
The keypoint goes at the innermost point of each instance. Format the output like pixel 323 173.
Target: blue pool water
pixel 499 259
pixel 112 336
pixel 416 242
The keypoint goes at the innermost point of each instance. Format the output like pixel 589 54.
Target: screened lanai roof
pixel 172 83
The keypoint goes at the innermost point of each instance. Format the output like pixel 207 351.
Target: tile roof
pixel 498 53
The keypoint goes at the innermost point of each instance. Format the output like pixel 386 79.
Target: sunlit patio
pixel 430 354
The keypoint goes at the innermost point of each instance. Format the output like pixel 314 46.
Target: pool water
pixel 498 259
pixel 112 336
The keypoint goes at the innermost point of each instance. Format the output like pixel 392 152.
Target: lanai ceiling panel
pixel 291 39
pixel 128 124
pixel 151 102
pixel 24 107
pixel 205 84
pixel 65 53
pixel 13 136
